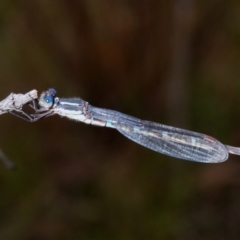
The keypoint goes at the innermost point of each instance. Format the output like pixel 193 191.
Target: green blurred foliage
pixel 175 62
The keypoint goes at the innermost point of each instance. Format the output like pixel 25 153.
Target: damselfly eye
pixel 47 98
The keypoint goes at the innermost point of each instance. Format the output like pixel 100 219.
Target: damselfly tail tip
pixel 233 150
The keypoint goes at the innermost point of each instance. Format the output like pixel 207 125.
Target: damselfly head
pixel 52 92
pixel 47 98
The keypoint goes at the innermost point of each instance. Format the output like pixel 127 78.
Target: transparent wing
pixel 175 142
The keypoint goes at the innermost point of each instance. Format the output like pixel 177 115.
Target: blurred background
pixel 172 62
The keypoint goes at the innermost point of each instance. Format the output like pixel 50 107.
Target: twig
pixel 14 102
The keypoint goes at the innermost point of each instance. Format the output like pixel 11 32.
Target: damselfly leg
pixel 23 115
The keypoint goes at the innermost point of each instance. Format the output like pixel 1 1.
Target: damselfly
pixel 175 142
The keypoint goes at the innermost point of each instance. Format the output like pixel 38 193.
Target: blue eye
pixel 49 99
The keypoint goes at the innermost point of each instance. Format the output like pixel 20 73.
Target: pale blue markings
pixel 194 140
pixel 136 129
pixel 165 134
pixel 108 124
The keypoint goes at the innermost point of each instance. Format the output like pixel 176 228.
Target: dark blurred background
pixel 172 62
